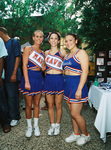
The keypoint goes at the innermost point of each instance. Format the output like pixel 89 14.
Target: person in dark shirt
pixel 12 75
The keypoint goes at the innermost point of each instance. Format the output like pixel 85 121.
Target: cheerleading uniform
pixel 35 77
pixel 54 83
pixel 72 81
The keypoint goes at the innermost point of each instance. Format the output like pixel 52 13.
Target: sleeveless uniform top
pixel 72 64
pixel 54 61
pixel 35 59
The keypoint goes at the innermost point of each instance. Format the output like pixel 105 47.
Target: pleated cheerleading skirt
pixel 71 85
pixel 36 82
pixel 53 84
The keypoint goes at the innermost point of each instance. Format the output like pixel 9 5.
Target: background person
pixel 4 117
pixel 45 107
pixel 54 82
pixel 32 81
pixel 91 75
pixel 12 75
pixel 76 65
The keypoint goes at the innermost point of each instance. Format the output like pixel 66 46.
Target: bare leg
pixel 50 100
pixel 75 125
pixel 28 100
pixel 79 120
pixel 58 102
pixel 36 105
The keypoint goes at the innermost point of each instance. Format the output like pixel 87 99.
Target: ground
pixel 16 140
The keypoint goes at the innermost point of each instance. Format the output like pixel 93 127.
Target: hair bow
pixel 49 35
pixel 59 34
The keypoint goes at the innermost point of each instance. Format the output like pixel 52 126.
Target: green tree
pixel 15 15
pixel 95 25
pixel 90 19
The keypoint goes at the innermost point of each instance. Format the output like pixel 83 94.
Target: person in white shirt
pixel 4 119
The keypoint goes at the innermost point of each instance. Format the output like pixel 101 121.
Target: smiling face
pixel 38 38
pixel 53 40
pixel 70 42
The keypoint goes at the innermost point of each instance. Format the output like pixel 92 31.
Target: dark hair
pixel 4 30
pixel 76 38
pixel 58 34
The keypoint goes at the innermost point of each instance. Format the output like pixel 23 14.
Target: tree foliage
pixel 16 16
pixel 89 19
pixel 96 25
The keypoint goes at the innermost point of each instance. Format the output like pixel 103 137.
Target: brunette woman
pixel 54 82
pixel 76 65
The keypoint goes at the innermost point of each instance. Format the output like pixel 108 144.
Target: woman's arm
pixel 84 61
pixel 63 52
pixel 25 70
pixel 43 65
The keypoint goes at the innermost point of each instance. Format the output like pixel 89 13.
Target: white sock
pixel 57 124
pixel 29 122
pixel 53 125
pixel 36 122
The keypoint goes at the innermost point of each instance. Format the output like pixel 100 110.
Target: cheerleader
pixel 54 82
pixel 76 65
pixel 32 81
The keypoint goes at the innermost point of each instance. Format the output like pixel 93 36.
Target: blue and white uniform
pixel 54 83
pixel 35 77
pixel 72 81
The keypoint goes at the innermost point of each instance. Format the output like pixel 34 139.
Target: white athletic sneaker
pixel 14 123
pixel 57 130
pixel 51 131
pixel 36 131
pixel 72 138
pixel 83 140
pixel 29 132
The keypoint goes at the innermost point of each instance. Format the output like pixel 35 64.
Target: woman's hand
pixel 27 86
pixel 26 54
pixel 78 94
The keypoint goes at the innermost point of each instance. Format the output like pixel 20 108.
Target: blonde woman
pixel 32 81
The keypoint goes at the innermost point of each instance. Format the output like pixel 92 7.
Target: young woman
pixel 54 82
pixel 76 65
pixel 32 81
